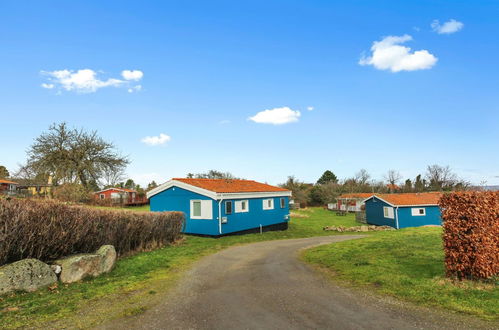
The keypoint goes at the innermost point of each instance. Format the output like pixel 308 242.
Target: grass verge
pixel 134 284
pixel 407 264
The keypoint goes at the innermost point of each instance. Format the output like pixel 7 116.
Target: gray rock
pixel 25 275
pixel 108 255
pixel 77 267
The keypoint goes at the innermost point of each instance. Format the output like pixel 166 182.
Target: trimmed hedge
pixel 471 234
pixel 48 230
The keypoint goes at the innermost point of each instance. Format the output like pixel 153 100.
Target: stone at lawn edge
pixel 77 267
pixel 25 275
pixel 108 254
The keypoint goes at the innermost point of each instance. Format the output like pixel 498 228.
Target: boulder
pixel 25 275
pixel 108 255
pixel 79 266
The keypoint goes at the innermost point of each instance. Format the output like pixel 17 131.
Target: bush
pixel 48 230
pixel 471 234
pixel 71 192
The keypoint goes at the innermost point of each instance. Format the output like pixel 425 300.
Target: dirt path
pixel 265 286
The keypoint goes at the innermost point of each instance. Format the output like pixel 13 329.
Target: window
pixel 283 202
pixel 418 211
pixel 242 206
pixel 228 207
pixel 268 204
pixel 102 196
pixel 388 212
pixel 201 209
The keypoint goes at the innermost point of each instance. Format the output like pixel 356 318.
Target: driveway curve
pixel 265 286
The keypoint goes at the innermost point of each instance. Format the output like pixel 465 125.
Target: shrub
pixel 48 230
pixel 471 234
pixel 71 192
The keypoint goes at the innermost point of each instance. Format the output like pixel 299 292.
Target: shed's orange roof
pixel 409 199
pixel 7 181
pixel 230 185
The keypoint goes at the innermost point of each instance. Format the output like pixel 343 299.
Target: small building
pixel 117 195
pixel 349 202
pixel 403 210
pixel 217 207
pixel 8 187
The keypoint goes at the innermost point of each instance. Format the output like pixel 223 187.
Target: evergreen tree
pixel 327 177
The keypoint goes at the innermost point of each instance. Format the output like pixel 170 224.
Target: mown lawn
pixel 136 281
pixel 407 264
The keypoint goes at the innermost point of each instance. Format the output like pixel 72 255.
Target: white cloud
pixel 132 74
pixel 135 89
pixel 276 116
pixel 156 140
pixel 388 54
pixel 83 81
pixel 224 122
pixel 448 27
pixel 310 108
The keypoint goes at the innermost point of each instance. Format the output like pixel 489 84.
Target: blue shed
pixel 403 210
pixel 217 207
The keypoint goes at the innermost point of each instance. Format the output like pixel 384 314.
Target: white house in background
pixel 349 202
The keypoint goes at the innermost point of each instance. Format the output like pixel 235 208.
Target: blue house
pixel 403 210
pixel 217 207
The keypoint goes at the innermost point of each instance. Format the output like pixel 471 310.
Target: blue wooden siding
pixel 406 219
pixel 178 199
pixel 256 216
pixel 375 215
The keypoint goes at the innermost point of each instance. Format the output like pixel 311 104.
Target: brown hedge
pixel 471 234
pixel 48 230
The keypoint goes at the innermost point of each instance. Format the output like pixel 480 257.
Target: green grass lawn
pixel 135 282
pixel 407 264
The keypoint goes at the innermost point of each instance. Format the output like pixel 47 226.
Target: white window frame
pixel 268 203
pixel 206 209
pixel 388 212
pixel 282 202
pixel 415 211
pixel 238 206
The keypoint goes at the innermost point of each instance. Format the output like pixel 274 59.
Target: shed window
pixel 228 207
pixel 268 204
pixel 102 196
pixel 242 206
pixel 283 202
pixel 201 209
pixel 418 211
pixel 388 212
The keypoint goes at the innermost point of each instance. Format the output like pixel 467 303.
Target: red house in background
pixel 8 187
pixel 117 195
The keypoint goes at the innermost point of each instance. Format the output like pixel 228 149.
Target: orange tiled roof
pixel 407 199
pixel 7 181
pixel 356 195
pixel 230 185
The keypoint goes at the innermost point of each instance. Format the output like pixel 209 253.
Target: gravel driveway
pixel 265 286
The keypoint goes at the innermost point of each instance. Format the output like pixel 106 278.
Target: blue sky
pixel 206 68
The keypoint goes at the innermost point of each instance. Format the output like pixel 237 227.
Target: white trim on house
pixel 214 195
pixel 268 204
pixel 388 212
pixel 416 211
pixel 206 209
pixel 119 189
pixel 241 206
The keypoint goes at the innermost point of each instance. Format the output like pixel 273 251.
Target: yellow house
pixel 35 189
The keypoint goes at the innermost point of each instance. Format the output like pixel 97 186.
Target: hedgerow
pixel 471 234
pixel 48 230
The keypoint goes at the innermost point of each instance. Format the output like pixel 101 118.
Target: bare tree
pixel 74 155
pixel 111 177
pixel 441 177
pixel 362 177
pixel 393 177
